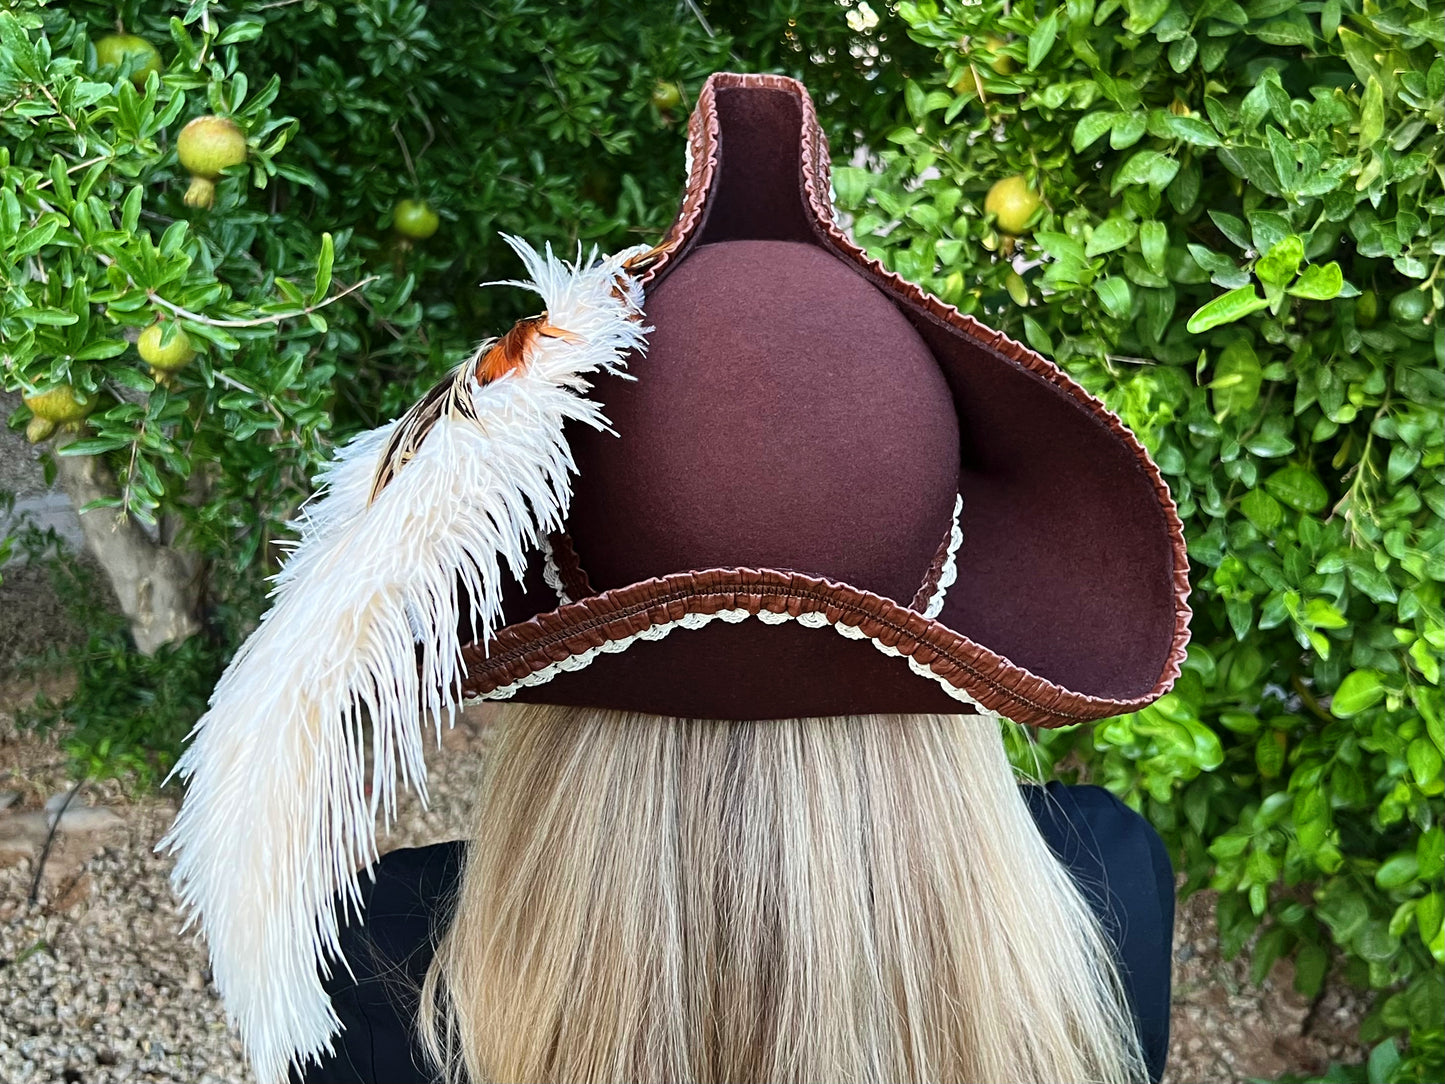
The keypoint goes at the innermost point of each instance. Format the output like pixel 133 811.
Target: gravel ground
pixel 96 985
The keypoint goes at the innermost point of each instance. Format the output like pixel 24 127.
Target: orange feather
pixel 510 351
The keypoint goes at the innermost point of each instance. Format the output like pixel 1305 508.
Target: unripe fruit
pixel 1408 307
pixel 1001 64
pixel 38 429
pixel 414 218
pixel 666 96
pixel 174 355
pixel 115 50
pixel 206 146
pixel 1367 309
pixel 59 406
pixel 1012 203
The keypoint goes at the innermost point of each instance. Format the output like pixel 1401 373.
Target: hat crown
pixel 786 416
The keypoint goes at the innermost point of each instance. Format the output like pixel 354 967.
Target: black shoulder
pixel 387 947
pixel 1122 867
pixel 409 892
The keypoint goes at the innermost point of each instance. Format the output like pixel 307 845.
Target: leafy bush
pixel 312 316
pixel 1238 244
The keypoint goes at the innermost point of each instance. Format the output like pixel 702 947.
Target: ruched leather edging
pixel 586 628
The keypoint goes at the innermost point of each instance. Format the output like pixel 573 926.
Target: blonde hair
pixel 850 899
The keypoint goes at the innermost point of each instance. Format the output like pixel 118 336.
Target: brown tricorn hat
pixel 829 492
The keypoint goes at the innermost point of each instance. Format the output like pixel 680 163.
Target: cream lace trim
pixel 732 617
pixel 949 572
pixel 553 575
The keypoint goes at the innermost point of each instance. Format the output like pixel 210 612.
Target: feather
pixel 413 527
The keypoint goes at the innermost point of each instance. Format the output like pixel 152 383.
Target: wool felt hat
pixel 829 492
pixel 744 474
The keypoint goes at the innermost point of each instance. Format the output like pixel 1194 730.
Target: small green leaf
pixel 1284 33
pixel 1236 380
pixel 1269 445
pixel 1042 39
pixel 1182 52
pixel 1110 234
pixel 1280 264
pixel 1319 282
pixel 1397 871
pixel 130 207
pixel 1424 760
pixel 1114 292
pixel 1145 168
pixel 1086 132
pixel 1322 615
pixel 100 350
pixel 1226 308
pixel 1383 1062
pixel 852 185
pixel 1429 915
pixel 1372 114
pixel 1154 243
pixel 1128 129
pixel 48 317
pixel 1298 487
pixel 1361 689
pixel 324 260
pixel 1038 338
pixel 1262 510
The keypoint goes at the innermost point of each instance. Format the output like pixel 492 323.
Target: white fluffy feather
pixel 276 822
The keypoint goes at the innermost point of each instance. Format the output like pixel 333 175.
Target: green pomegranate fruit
pixel 666 96
pixel 981 53
pixel 1367 309
pixel 168 358
pixel 60 406
pixel 38 429
pixel 206 146
pixel 1012 203
pixel 415 219
pixel 122 50
pixel 1001 62
pixel 1408 307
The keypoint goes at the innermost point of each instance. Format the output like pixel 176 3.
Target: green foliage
pixel 128 713
pixel 1241 250
pixel 312 316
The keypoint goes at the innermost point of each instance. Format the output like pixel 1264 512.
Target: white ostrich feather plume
pixel 277 822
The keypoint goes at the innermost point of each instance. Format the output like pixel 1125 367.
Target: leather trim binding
pixel 925 601
pixel 569 566
pixel 522 649
pixel 697 620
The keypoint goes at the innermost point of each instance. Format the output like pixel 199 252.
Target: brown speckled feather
pixel 452 397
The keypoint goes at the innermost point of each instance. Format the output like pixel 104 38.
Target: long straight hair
pixel 849 899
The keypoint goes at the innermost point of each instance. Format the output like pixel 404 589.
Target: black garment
pixel 1115 856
